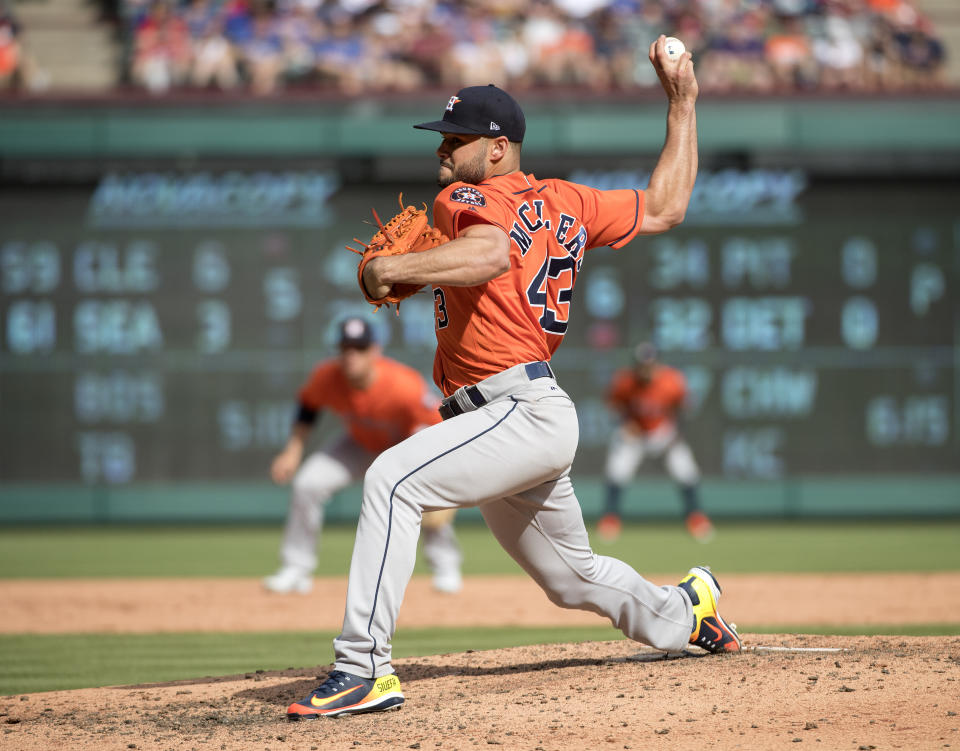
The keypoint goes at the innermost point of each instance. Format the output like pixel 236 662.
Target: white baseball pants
pixel 628 450
pixel 511 457
pixel 320 476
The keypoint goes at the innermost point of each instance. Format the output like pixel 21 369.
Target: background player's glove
pixel 407 232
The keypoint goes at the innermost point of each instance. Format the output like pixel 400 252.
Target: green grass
pixel 192 551
pixel 46 662
pixel 659 548
pixel 62 661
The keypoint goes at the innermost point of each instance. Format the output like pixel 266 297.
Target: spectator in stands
pixel 428 50
pixel 162 54
pixel 199 16
pixel 567 58
pixel 839 54
pixel 689 26
pixel 262 53
pixel 736 59
pixel 882 65
pixel 394 66
pixel 515 56
pixel 299 28
pixel 790 56
pixel 342 55
pixel 475 55
pixel 613 49
pixel 920 54
pixel 135 11
pixel 237 21
pixel 542 34
pixel 10 50
pixel 643 23
pixel 214 61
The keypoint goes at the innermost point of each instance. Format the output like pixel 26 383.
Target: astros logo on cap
pixel 354 327
pixel 453 101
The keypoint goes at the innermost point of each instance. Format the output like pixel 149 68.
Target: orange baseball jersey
pixel 395 405
pixel 521 315
pixel 648 405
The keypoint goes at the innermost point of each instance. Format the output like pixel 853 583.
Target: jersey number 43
pixel 551 290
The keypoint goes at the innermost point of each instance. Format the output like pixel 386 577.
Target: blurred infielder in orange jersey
pixel 502 290
pixel 649 398
pixel 381 401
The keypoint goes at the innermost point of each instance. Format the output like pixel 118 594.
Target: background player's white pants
pixel 440 548
pixel 512 458
pixel 320 476
pixel 323 474
pixel 627 451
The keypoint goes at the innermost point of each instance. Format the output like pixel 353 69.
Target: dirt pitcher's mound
pixel 836 692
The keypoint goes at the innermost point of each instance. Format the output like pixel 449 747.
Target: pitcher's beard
pixel 472 173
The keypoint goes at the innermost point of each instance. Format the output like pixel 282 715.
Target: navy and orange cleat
pixel 346 694
pixel 710 631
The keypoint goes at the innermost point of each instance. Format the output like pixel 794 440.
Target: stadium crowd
pixel 373 46
pixel 367 46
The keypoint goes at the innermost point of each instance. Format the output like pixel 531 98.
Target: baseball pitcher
pixel 502 281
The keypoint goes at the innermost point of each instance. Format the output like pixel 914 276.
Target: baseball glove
pixel 407 232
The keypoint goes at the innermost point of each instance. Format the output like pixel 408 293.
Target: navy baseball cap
pixel 356 333
pixel 481 110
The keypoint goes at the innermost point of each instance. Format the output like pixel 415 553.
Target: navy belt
pixel 450 407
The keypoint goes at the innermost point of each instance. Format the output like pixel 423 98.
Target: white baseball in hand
pixel 673 47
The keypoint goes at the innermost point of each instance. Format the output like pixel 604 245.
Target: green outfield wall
pixel 811 497
pixel 373 128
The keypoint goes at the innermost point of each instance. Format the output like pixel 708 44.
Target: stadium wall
pixel 796 128
pixel 646 499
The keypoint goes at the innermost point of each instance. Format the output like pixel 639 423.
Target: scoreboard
pixel 155 327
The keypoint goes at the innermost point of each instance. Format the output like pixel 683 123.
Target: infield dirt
pixel 216 605
pixel 829 691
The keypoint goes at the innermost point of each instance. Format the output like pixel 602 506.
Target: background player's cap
pixel 481 110
pixel 644 352
pixel 355 332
